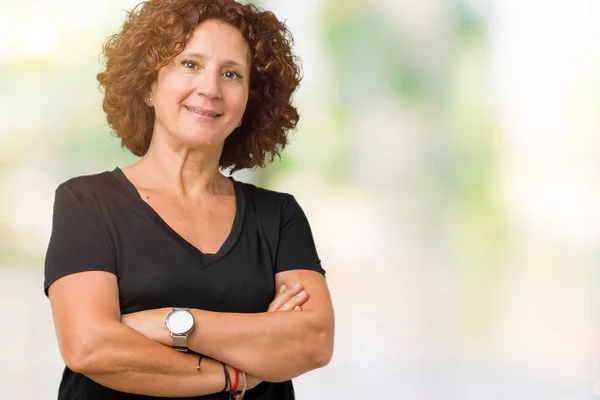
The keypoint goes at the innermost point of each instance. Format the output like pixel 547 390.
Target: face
pixel 200 97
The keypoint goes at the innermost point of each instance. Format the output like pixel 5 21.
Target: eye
pixel 189 64
pixel 231 75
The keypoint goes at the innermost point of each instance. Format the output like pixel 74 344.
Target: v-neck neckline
pixel 205 258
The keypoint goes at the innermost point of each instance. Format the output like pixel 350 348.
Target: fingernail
pixel 281 288
pixel 297 284
pixel 302 293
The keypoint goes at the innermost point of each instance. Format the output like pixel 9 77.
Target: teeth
pixel 203 113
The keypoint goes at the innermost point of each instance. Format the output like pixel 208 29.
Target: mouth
pixel 203 112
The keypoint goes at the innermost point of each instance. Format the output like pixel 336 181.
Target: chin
pixel 199 139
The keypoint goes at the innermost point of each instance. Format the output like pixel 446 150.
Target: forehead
pixel 214 38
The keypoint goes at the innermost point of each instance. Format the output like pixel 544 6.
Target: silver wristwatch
pixel 180 323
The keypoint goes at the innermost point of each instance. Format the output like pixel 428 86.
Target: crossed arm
pixel 128 352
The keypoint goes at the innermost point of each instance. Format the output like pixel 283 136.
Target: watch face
pixel 180 322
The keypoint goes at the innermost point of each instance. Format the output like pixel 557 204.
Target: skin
pixel 179 177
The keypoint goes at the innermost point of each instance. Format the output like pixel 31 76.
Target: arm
pixel 93 342
pixel 272 346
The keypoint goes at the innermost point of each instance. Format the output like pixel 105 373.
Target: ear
pixel 149 100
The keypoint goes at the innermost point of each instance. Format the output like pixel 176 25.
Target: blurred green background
pixel 447 157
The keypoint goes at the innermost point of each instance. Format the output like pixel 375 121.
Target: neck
pixel 183 172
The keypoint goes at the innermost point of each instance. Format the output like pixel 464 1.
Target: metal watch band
pixel 180 342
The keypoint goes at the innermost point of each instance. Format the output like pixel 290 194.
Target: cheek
pixel 174 91
pixel 238 104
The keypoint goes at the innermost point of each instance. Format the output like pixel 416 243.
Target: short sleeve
pixel 296 249
pixel 78 241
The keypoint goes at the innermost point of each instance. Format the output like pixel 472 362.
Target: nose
pixel 208 83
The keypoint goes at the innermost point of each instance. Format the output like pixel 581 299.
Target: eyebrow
pixel 226 63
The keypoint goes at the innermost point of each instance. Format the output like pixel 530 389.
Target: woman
pixel 168 254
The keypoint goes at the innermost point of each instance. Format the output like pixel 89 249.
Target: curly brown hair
pixel 156 31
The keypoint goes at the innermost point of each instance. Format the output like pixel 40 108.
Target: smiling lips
pixel 203 112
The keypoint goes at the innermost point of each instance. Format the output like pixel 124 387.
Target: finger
pixel 282 288
pixel 297 300
pixel 284 296
pixel 297 308
pixel 288 293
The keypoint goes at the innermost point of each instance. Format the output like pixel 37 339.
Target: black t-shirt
pixel 100 222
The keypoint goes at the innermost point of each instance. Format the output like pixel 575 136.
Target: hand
pixel 288 298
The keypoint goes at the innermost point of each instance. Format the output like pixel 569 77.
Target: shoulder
pixel 88 189
pixel 279 207
pixel 267 197
pixel 86 184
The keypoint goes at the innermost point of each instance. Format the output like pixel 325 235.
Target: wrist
pixel 162 334
pixel 231 372
pixel 212 370
pixel 180 323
